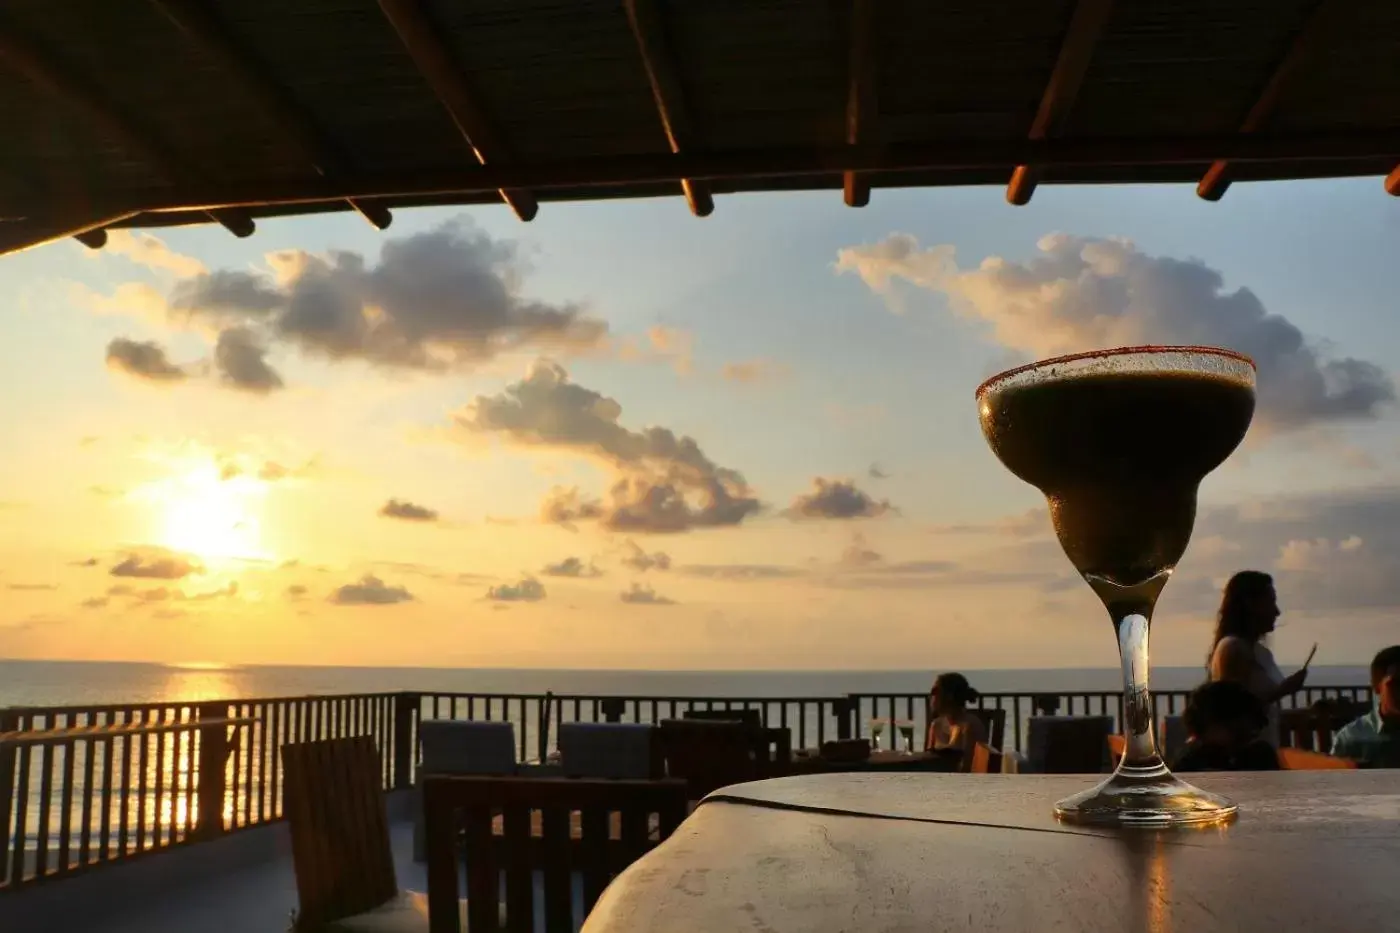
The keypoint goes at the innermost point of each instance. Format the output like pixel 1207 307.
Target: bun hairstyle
pixel 955 688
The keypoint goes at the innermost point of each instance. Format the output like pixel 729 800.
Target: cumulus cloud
pixel 639 594
pixel 636 558
pixel 569 506
pixel 144 359
pixel 753 372
pixel 447 298
pixel 1082 293
pixel 571 567
pixel 240 357
pixel 407 511
pixel 836 499
pixel 95 602
pixel 370 591
pixel 858 554
pixel 664 483
pixel 156 566
pixel 1316 554
pixel 528 590
pixel 150 251
pixel 86 562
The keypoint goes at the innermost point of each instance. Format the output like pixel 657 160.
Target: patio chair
pixel 553 827
pixel 993 722
pixel 985 759
pixel 1298 759
pixel 1068 744
pixel 460 747
pixel 752 717
pixel 711 755
pixel 344 865
pixel 610 750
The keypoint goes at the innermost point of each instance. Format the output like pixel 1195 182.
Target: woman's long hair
pixel 1235 617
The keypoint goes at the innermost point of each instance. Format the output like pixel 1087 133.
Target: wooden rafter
pixel 435 63
pixel 1056 103
pixel 733 166
pixel 861 101
pixel 666 90
pixel 202 26
pixel 22 56
pixel 1216 181
pixel 21 235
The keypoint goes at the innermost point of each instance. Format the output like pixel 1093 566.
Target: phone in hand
pixel 1310 655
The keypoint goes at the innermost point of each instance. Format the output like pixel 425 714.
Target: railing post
pixel 612 708
pixel 214 749
pixel 9 722
pixel 844 709
pixel 406 704
pixel 546 709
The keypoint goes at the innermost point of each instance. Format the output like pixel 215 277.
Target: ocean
pixel 63 683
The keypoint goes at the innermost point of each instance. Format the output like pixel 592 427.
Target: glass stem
pixel 1131 607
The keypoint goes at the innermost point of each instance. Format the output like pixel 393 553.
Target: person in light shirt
pixel 1248 611
pixel 952 730
pixel 1373 740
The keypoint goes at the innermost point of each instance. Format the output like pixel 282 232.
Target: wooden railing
pixel 86 786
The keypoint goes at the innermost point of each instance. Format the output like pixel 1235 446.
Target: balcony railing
pixel 86 786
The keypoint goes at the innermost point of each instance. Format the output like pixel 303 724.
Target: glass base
pixel 1145 798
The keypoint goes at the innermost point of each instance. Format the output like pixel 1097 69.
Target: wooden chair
pixel 1297 759
pixel 1117 745
pixel 709 755
pixel 1312 728
pixel 751 717
pixel 985 759
pixel 554 826
pixel 334 804
pixel 994 722
pixel 1068 744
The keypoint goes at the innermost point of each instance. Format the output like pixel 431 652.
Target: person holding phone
pixel 1248 612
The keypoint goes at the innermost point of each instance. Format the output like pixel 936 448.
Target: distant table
pixel 920 852
pixel 882 761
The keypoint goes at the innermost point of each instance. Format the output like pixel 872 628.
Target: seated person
pixel 1373 740
pixel 1224 722
pixel 952 730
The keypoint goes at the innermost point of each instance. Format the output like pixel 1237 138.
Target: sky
pixel 622 437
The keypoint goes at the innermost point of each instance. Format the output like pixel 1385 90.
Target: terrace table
pixel 928 852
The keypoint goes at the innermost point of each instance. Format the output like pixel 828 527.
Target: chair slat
pixel 558 883
pixel 520 889
pixel 483 877
pixel 593 847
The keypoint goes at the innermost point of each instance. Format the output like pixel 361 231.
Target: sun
pixel 212 517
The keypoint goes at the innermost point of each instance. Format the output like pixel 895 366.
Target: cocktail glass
pixel 877 729
pixel 1119 441
pixel 906 732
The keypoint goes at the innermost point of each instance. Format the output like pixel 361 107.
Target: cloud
pixel 753 372
pixel 1317 554
pixel 877 472
pixel 407 511
pixel 664 344
pixel 528 590
pixel 858 555
pixel 30 587
pixel 1083 293
pixel 95 602
pixel 635 558
pixel 143 359
pixel 296 591
pixel 447 298
pixel 571 567
pixel 370 591
pixel 240 357
pixel 568 506
pixel 1030 523
pixel 740 572
pixel 664 483
pixel 836 499
pixel 156 566
pixel 151 251
pixel 88 562
pixel 640 594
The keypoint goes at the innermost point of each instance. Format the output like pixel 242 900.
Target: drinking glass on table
pixel 906 732
pixel 1119 441
pixel 877 729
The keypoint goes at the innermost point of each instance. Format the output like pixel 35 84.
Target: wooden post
pixel 844 710
pixel 546 710
pixel 9 722
pixel 406 706
pixel 214 748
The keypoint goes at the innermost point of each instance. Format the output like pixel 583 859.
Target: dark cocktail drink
pixel 1119 441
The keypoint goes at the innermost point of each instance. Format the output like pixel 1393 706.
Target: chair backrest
pixel 1297 759
pixel 1173 737
pixel 711 755
pixel 751 717
pixel 1068 744
pixel 333 800
pixel 985 759
pixel 1116 746
pixel 1312 728
pixel 460 747
pixel 610 750
pixel 554 826
pixel 994 722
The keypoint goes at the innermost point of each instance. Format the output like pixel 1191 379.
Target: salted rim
pixel 1116 351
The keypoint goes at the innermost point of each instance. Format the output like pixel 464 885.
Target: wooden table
pixel 882 761
pixel 918 852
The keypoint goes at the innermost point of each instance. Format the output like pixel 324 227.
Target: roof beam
pixel 201 26
pixel 666 90
pixel 1216 181
pixel 16 236
pixel 952 155
pixel 1057 102
pixel 861 101
pixel 23 57
pixel 437 67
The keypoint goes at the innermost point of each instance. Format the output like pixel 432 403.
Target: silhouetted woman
pixel 951 728
pixel 1248 611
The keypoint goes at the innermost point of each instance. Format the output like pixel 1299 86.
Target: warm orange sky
pixel 620 437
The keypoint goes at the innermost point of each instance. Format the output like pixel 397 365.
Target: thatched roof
pixel 157 112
